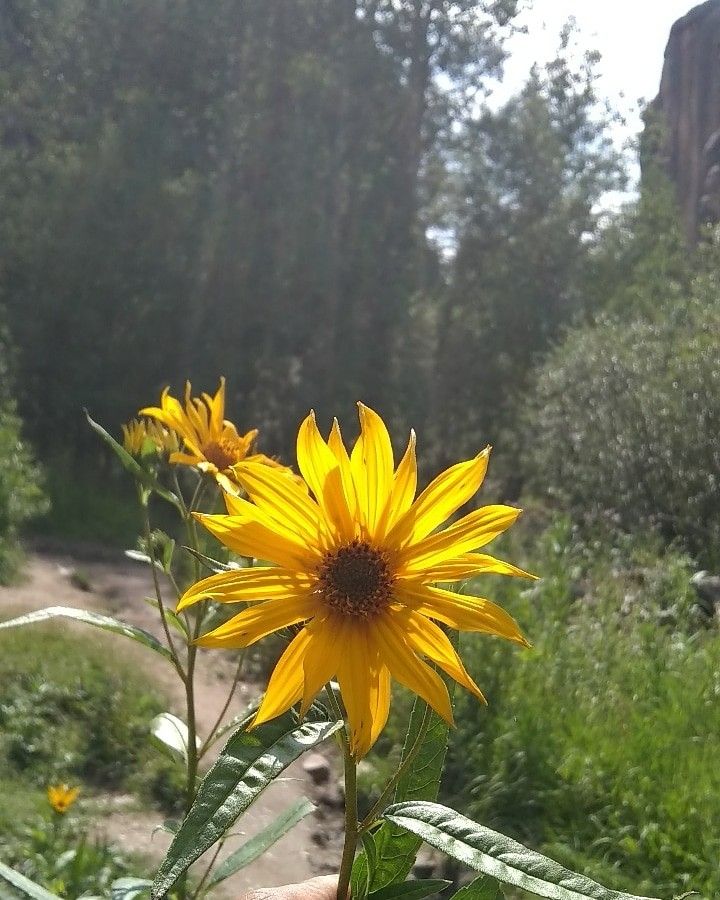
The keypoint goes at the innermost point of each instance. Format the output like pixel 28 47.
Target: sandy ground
pixel 117 586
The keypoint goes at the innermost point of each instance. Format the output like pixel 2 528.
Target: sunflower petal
pixel 321 660
pixel 171 414
pixel 185 459
pixel 469 565
pixel 469 533
pixel 429 639
pixel 402 492
pixel 461 612
pixel 248 585
pixel 259 621
pixel 285 687
pixel 336 445
pixel 363 688
pixel 283 500
pixel 440 499
pixel 321 471
pixel 217 408
pixel 376 471
pixel 251 534
pixel 409 669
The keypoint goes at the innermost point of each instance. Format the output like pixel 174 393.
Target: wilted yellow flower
pixel 213 444
pixel 61 797
pixel 140 431
pixel 358 566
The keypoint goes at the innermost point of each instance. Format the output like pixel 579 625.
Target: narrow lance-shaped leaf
pixel 173 620
pixel 129 887
pixel 497 855
pixel 481 888
pixel 363 869
pixel 247 765
pixel 23 885
pixel 170 735
pixel 396 847
pixel 262 841
pixel 214 565
pixel 107 623
pixel 411 890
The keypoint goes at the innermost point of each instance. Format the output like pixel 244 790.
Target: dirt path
pixel 116 585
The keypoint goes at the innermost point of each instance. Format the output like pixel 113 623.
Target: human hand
pixel 324 887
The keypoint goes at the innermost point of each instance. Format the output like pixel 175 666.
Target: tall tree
pixel 535 171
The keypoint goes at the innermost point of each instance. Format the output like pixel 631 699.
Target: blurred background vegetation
pixel 313 199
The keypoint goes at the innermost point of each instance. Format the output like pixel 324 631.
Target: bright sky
pixel 630 34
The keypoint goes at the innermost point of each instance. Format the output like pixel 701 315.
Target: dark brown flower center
pixel 222 454
pixel 355 580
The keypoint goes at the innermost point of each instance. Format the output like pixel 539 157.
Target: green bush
pixel 21 494
pixel 599 745
pixel 72 711
pixel 64 859
pixel 624 425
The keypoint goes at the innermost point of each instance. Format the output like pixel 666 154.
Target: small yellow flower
pixel 212 443
pixel 138 432
pixel 61 797
pixel 358 563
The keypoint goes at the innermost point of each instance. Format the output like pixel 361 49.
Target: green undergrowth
pixel 600 744
pixel 88 505
pixel 75 709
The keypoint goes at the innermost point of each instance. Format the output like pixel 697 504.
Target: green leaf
pixel 239 722
pixel 22 884
pixel 496 855
pixel 245 767
pixel 363 869
pixel 214 565
pixel 139 556
pixel 172 618
pixel 168 553
pixel 396 847
pixel 129 888
pixel 90 618
pixel 170 735
pixel 258 844
pixel 481 888
pixel 133 466
pixel 411 890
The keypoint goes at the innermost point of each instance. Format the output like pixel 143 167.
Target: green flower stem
pixel 384 797
pixel 158 592
pixel 193 757
pixel 351 816
pixel 351 819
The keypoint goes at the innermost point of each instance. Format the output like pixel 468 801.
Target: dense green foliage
pixel 21 493
pixel 66 860
pixel 624 423
pixel 598 744
pixel 235 188
pixel 66 715
pixel 530 202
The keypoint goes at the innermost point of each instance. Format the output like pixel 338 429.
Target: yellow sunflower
pixel 139 431
pixel 212 443
pixel 61 797
pixel 358 563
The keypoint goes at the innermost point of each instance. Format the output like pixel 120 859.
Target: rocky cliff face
pixel 689 107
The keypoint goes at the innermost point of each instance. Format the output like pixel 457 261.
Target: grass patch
pixel 600 745
pixel 75 709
